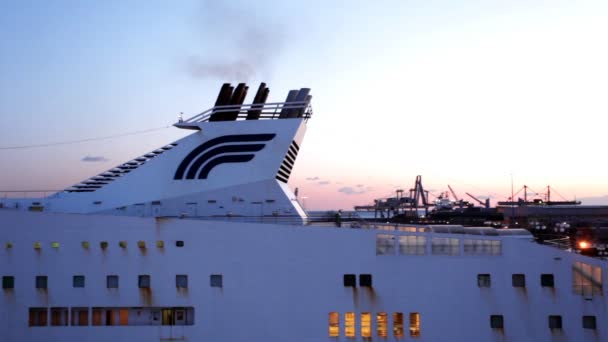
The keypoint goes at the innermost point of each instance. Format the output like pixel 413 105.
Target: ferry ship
pixel 203 240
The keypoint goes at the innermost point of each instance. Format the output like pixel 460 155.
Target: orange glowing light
pixel 583 244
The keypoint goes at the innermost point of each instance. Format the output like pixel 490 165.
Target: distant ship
pixel 203 240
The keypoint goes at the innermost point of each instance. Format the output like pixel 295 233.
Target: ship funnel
pixel 291 97
pixel 259 99
pixel 303 95
pixel 237 99
pixel 223 98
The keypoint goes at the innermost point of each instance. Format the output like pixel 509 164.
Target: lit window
pixel 216 280
pixel 519 280
pixel 59 316
pixel 412 245
pixel 398 324
pixel 445 246
pixel 382 324
pixel 484 280
pixel 143 281
pixel 589 322
pixel 350 280
pixel 496 322
pixel 181 281
pixel 546 280
pixel 349 324
pixel 123 315
pixel 97 316
pixel 334 324
pixel 38 317
pixel 482 247
pixel 141 244
pixel 365 280
pixel 586 279
pixel 160 244
pixel 78 281
pixel 55 244
pixel 385 244
pixel 555 322
pixel 112 281
pixel 122 244
pixel 366 324
pixel 8 282
pixel 414 324
pixel 37 245
pixel 41 282
pixel 85 244
pixel 103 244
pixel 167 317
pixel 80 316
pixel 179 243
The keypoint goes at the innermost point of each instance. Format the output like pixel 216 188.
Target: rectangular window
pixel 179 243
pixel 518 280
pixel 546 280
pixel 97 316
pixel 8 282
pixel 80 316
pixel 38 317
pixel 349 324
pixel 366 324
pixel 123 315
pixel 334 324
pixel 382 322
pixel 350 280
pixel 589 322
pixel 143 281
pixel 482 247
pixel 216 280
pixel 110 317
pixel 445 246
pixel 41 282
pixel 78 281
pixel 414 324
pixel 181 281
pixel 385 244
pixel 167 317
pixel 555 322
pixel 112 281
pixel 59 316
pixel 365 280
pixel 586 279
pixel 412 245
pixel 496 322
pixel 398 324
pixel 484 280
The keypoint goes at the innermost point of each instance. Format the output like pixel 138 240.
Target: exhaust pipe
pixel 260 98
pixel 237 99
pixel 291 96
pixel 222 99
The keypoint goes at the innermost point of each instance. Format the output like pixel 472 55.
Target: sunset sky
pixel 467 93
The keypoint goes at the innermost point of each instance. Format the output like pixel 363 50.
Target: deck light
pixel 583 244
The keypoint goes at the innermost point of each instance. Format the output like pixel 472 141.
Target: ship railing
pixel 26 194
pixel 268 111
pixel 561 243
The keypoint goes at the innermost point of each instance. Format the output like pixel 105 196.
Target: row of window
pixel 586 280
pixel 388 244
pixel 143 281
pixel 60 316
pixel 382 329
pixel 555 322
pixel 103 244
pixel 365 280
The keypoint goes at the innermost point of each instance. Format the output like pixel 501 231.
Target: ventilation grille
pixel 288 161
pixel 111 175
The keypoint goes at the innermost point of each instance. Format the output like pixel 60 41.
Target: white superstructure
pixel 202 240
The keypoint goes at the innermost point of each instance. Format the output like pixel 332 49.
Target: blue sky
pixel 464 93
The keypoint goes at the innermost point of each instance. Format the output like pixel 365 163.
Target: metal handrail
pixel 268 110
